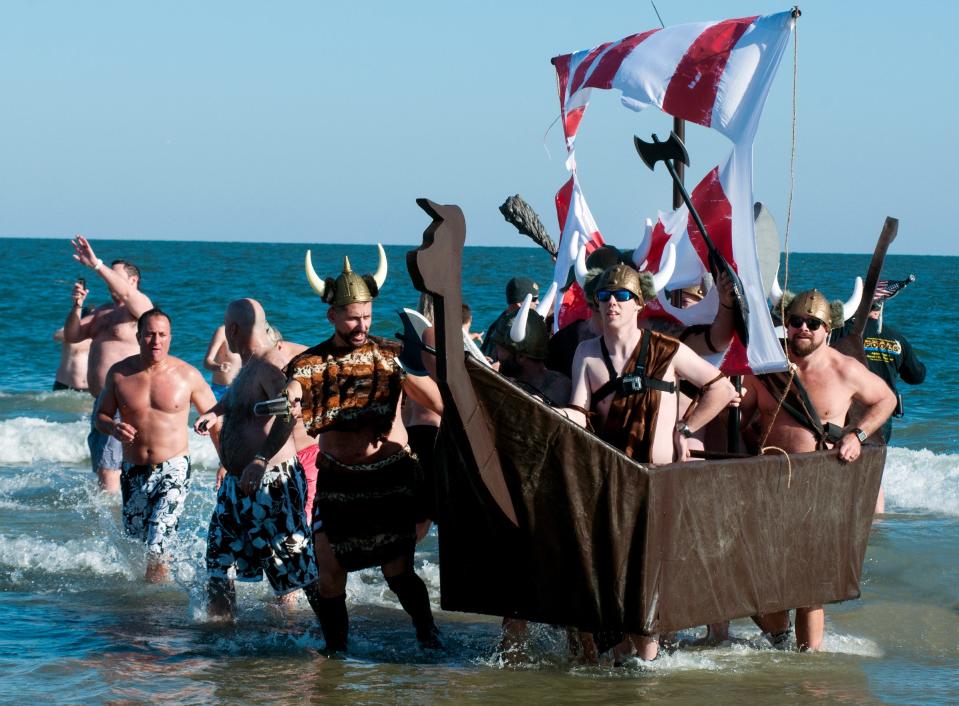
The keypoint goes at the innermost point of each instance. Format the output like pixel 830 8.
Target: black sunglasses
pixel 620 295
pixel 812 323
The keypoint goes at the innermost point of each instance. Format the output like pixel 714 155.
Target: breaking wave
pixel 922 481
pixel 26 441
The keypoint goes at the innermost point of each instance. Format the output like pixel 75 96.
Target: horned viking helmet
pixel 349 287
pixel 526 333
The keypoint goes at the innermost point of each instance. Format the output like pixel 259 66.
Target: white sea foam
pixel 28 440
pixel 922 481
pixel 88 555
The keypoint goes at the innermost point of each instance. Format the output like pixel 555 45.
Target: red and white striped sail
pixel 716 74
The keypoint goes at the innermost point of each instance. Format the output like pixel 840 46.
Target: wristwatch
pixel 683 428
pixel 860 434
pixel 260 457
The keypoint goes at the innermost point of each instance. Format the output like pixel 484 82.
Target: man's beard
pixel 809 346
pixel 349 340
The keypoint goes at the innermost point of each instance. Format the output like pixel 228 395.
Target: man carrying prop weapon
pixel 619 381
pixel 347 391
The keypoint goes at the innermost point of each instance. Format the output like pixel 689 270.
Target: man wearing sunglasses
pixel 831 381
pixel 625 383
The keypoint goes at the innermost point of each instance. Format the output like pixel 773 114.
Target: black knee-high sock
pixel 334 620
pixel 415 599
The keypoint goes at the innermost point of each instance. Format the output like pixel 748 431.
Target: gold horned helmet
pixel 621 277
pixel 349 287
pixel 812 302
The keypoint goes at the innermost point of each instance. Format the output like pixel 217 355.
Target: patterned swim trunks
pixel 153 500
pixel 266 533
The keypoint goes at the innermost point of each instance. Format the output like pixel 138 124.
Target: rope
pixel 789 463
pixel 792 177
pixel 779 406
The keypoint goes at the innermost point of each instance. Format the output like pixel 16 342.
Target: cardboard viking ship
pixel 540 519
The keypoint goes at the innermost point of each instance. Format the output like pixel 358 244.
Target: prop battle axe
pixel 674 149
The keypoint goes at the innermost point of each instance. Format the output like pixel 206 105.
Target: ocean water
pixel 78 625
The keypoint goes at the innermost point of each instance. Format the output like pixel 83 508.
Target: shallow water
pixel 77 624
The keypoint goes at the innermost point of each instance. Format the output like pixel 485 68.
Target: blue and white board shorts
pixel 106 451
pixel 153 499
pixel 266 533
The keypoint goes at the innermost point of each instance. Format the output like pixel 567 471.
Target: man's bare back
pixel 260 378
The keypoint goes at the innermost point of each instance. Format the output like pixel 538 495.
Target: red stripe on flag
pixel 574 306
pixel 607 67
pixel 563 197
pixel 692 89
pixel 716 212
pixel 580 76
pixel 562 77
pixel 659 238
pixel 572 120
pixel 735 362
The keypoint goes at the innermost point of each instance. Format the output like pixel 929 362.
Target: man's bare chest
pixel 161 393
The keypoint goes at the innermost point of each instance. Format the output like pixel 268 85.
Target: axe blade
pixel 658 151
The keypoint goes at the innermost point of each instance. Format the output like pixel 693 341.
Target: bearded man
pixel 830 382
pixel 347 391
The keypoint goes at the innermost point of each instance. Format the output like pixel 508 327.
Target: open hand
pixel 83 251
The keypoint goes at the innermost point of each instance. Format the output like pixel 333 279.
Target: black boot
pixel 333 617
pixel 415 599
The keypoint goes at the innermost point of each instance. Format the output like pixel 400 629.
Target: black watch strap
pixel 860 434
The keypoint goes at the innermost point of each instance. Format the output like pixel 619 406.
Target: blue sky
pixel 303 122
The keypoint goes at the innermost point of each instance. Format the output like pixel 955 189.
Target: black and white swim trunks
pixel 154 496
pixel 264 533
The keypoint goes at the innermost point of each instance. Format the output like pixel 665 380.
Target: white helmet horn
pixel 661 278
pixel 851 304
pixel 314 279
pixel 640 253
pixel 579 268
pixel 380 275
pixel 775 292
pixel 546 302
pixel 517 332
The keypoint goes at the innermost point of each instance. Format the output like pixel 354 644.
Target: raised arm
pixel 717 336
pixel 76 328
pixel 125 291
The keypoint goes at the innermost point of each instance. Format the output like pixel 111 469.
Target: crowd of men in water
pixel 322 448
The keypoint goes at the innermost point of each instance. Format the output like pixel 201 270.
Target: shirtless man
pixel 72 371
pixel 832 381
pixel 222 362
pixel 112 330
pixel 348 391
pixel 640 422
pixel 152 392
pixel 259 525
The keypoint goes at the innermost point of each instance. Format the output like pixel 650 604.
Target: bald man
pixel 259 524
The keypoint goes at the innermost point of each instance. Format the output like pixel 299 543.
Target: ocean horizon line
pixel 517 246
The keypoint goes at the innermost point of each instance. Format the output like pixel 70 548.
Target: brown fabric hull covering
pixel 604 542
